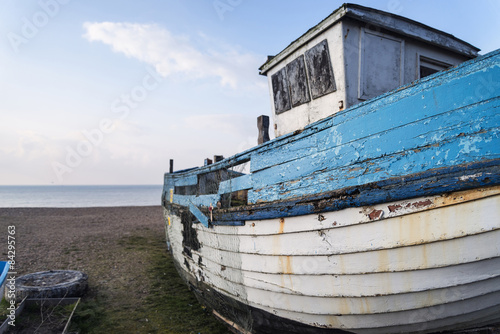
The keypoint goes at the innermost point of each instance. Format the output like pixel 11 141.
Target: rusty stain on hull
pixel 282 225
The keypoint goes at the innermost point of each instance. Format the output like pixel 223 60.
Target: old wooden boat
pixel 380 216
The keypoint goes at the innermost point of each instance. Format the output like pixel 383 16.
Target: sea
pixel 79 196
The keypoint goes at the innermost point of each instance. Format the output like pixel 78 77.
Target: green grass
pixel 169 306
pixel 42 318
pixel 175 307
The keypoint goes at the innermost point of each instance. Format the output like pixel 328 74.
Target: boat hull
pixel 383 218
pixel 431 265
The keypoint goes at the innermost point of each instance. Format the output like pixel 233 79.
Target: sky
pixel 107 91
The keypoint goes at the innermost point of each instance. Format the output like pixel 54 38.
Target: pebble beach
pixel 132 279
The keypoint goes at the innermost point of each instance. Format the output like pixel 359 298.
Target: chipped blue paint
pixel 186 181
pixel 239 183
pixel 429 183
pixel 446 120
pixel 370 169
pixel 202 200
pixel 198 214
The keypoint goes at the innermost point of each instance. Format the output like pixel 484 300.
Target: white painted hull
pixel 421 265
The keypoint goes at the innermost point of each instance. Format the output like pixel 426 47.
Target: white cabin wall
pixel 410 54
pixel 415 49
pixel 300 116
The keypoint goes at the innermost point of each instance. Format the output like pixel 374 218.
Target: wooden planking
pixel 235 184
pixel 368 309
pixel 293 177
pixel 381 319
pixel 188 180
pixel 394 125
pixel 422 320
pixel 372 113
pixel 461 314
pixel 336 304
pixel 202 200
pixel 356 215
pixel 387 167
pixel 374 284
pixel 417 228
pixel 451 252
pixel 349 285
pixel 371 305
pixel 199 215
pixel 438 181
pixel 420 132
pixel 333 145
pixel 388 156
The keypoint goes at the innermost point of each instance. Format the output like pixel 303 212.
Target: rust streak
pixel 286 265
pixel 282 225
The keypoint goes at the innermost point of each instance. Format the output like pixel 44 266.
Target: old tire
pixel 51 284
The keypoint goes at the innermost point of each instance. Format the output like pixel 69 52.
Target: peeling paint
pixel 375 214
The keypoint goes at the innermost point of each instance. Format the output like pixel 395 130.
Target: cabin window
pixel 309 75
pixel 428 66
pixel 320 70
pixel 296 73
pixel 281 93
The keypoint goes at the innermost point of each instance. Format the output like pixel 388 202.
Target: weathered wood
pixel 320 70
pixel 385 233
pixel 199 215
pixel 428 183
pixel 281 92
pixel 453 253
pixel 235 184
pixel 263 126
pixel 186 181
pixel 299 91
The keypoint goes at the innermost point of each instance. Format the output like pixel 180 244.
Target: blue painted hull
pixel 439 135
pixel 432 132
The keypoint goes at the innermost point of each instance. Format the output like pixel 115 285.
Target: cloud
pixel 176 54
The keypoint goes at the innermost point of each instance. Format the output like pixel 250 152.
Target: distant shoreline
pixel 76 207
pixel 79 196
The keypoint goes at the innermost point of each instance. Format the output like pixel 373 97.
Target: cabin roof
pixel 377 18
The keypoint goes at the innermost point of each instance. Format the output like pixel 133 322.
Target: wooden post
pixel 263 126
pixel 218 158
pixel 171 166
pixel 208 161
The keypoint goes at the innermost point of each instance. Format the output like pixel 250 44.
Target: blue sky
pixel 106 92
